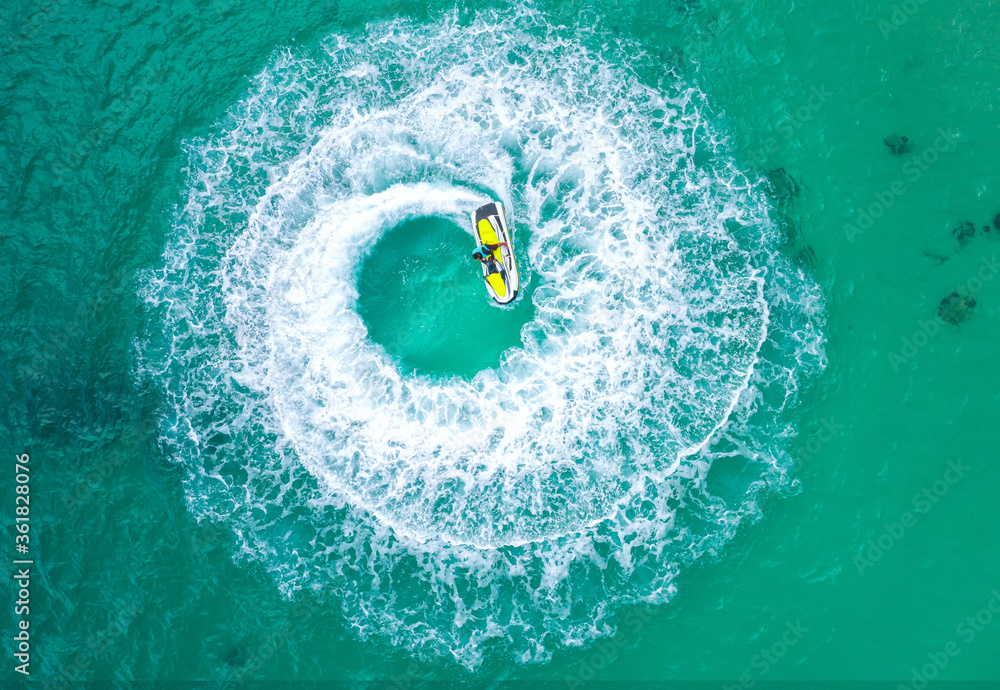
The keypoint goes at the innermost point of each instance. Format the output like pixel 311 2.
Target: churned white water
pixel 524 506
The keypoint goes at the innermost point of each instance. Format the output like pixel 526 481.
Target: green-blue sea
pixel 261 421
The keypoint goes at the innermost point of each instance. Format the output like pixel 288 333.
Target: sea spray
pixel 519 509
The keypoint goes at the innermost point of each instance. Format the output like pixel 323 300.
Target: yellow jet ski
pixel 496 252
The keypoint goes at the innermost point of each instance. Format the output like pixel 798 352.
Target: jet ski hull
pixel 489 226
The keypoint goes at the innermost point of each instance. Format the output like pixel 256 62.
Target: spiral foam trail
pixel 525 505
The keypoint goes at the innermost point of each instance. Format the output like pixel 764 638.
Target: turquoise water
pixel 277 434
pixel 423 308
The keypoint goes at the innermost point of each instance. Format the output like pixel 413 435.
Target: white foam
pixel 525 504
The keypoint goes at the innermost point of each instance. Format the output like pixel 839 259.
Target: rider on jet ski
pixel 484 254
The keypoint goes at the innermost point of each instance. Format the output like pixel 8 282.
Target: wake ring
pixel 523 503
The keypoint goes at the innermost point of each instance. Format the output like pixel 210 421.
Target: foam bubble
pixel 524 505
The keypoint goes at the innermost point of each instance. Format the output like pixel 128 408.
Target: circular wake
pixel 522 505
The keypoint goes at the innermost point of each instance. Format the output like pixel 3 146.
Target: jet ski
pixel 489 226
